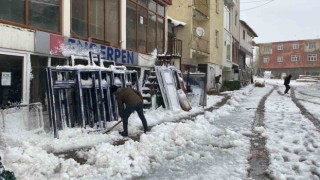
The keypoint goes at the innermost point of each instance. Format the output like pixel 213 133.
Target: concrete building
pixel 195 34
pixel 298 57
pixel 37 34
pixel 201 36
pixel 246 49
pixel 231 39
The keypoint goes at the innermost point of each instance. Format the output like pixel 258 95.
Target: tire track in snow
pixel 293 158
pixel 305 94
pixel 259 159
pixel 304 111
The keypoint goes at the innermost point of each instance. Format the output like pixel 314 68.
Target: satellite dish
pixel 200 31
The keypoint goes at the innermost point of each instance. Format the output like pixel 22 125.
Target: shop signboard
pixel 65 46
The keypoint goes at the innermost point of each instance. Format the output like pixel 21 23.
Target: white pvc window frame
pixel 312 57
pixel 295 46
pixel 280 59
pixel 295 58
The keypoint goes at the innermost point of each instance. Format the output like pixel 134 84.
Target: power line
pixel 258 6
pixel 254 1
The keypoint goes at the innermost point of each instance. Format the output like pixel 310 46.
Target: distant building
pixel 298 57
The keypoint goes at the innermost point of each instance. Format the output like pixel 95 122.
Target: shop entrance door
pixel 11 68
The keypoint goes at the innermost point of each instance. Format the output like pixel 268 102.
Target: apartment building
pixel 231 39
pixel 201 35
pixel 246 49
pixel 195 33
pixel 36 34
pixel 299 57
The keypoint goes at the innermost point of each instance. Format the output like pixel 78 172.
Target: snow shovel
pixel 107 131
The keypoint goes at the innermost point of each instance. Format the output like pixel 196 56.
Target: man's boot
pixel 123 133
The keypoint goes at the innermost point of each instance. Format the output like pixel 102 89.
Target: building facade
pixel 300 57
pixel 202 36
pixel 195 33
pixel 246 49
pixel 231 39
pixel 41 33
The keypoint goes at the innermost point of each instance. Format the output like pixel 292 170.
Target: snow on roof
pixel 176 22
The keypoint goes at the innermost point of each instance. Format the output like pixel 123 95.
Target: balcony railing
pixel 174 47
pixel 201 7
pixel 173 52
pixel 200 44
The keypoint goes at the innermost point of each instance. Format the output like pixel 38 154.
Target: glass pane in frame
pixel 142 29
pixel 12 11
pixel 160 10
pixel 112 21
pixel 44 15
pixel 131 25
pixel 79 16
pixel 152 32
pixel 160 36
pixel 97 19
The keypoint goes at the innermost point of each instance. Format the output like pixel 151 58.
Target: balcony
pixel 200 10
pixel 200 44
pixel 174 51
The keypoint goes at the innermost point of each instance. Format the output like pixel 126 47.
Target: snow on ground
pixel 214 145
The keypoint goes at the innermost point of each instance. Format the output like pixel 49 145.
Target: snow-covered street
pixel 252 124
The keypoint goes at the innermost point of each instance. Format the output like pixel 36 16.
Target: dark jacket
pixel 129 97
pixel 287 80
pixel 217 79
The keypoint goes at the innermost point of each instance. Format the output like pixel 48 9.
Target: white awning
pixel 175 22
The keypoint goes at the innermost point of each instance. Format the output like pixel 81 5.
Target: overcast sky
pixel 282 20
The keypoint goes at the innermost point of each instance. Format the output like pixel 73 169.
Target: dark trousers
pixel 287 88
pixel 127 112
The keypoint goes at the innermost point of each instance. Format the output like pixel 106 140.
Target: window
pixel 311 45
pixel 267 49
pixel 295 58
pixel 227 17
pixel 244 35
pixel 42 15
pixel 94 20
pixel 280 46
pixel 217 6
pixel 312 57
pixel 145 26
pixel 217 38
pixel 228 47
pixel 295 45
pixel 236 19
pixel 265 59
pixel 280 58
